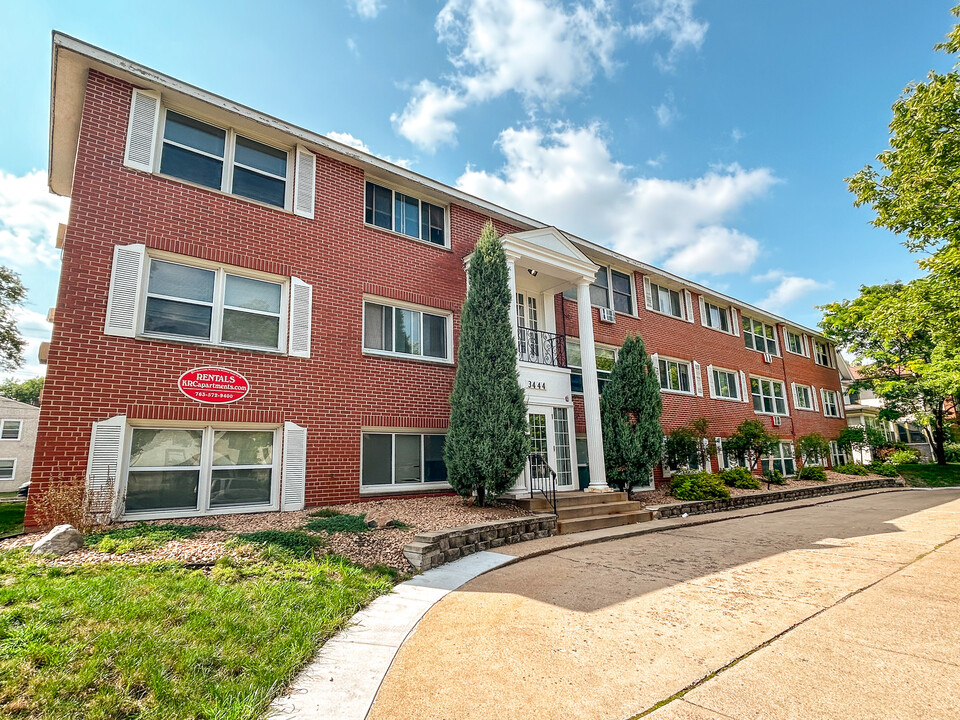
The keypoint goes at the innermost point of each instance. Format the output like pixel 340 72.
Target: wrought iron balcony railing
pixel 542 347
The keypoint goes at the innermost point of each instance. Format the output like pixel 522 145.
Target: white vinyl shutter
pixel 688 298
pixel 697 379
pixel 744 388
pixel 142 130
pixel 293 477
pixel 301 317
pixel 793 394
pixel 103 467
pixel 304 186
pixel 123 302
pixel 703 312
pixel 813 394
pixel 840 396
pixel 647 293
pixel 735 317
pixel 806 346
pixel 655 359
pixel 711 386
pixel 718 443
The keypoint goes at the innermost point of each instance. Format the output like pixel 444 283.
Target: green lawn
pixel 11 518
pixel 159 641
pixel 931 475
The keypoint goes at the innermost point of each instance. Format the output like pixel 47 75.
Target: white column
pixel 591 391
pixel 512 282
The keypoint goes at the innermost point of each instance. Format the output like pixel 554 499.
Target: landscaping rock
pixel 59 541
pixel 378 519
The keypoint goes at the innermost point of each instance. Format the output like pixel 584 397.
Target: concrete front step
pixel 597 522
pixel 570 499
pixel 579 511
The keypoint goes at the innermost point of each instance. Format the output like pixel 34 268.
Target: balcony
pixel 541 347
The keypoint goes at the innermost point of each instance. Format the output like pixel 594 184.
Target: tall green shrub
pixel 630 410
pixel 751 442
pixel 487 443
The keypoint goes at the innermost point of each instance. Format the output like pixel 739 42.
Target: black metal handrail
pixel 542 347
pixel 543 478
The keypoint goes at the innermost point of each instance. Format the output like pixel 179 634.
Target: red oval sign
pixel 214 385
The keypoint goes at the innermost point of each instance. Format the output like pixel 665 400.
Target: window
pixel 609 283
pixel 666 301
pixel 822 354
pixel 606 357
pixel 768 396
pixel 726 459
pixel 622 286
pixel 910 434
pixel 405 214
pixel 401 459
pixel 200 469
pixel 724 384
pixel 838 455
pixel 198 303
pixel 221 159
pixel 795 342
pixel 8 469
pixel 583 462
pixel 831 407
pixel 759 336
pixel 716 317
pixel 802 397
pixel 675 375
pixel 783 460
pixel 10 429
pixel 405 331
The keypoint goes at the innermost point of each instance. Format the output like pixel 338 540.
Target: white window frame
pixel 608 271
pixel 817 344
pixel 836 455
pixel 395 487
pixel 13 470
pixel 448 315
pixel 685 300
pixel 712 383
pixel 804 347
pixel 219 289
pixel 705 306
pixel 753 335
pixel 394 189
pixel 578 369
pixel 773 381
pixel 783 455
pixel 3 427
pixel 229 151
pixel 797 387
pixel 824 394
pixel 690 375
pixel 206 470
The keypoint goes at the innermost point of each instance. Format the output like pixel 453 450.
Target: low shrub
pixel 324 513
pixel 295 542
pixel 142 537
pixel 903 457
pixel 953 452
pixel 740 477
pixel 812 472
pixel 882 468
pixel 339 523
pixel 774 477
pixel 852 469
pixel 698 486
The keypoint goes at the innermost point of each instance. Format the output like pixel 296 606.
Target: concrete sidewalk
pixel 611 629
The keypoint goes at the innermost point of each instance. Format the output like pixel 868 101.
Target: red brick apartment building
pixel 254 317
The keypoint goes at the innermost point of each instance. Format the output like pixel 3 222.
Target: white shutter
pixel 301 317
pixel 718 442
pixel 793 393
pixel 123 302
pixel 142 130
pixel 688 297
pixel 814 392
pixel 697 379
pixel 304 185
pixel 744 388
pixel 703 312
pixel 806 346
pixel 840 397
pixel 647 293
pixel 103 467
pixel 710 384
pixel 655 359
pixel 735 316
pixel 293 477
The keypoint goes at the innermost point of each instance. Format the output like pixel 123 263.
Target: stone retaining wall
pixel 774 496
pixel 430 549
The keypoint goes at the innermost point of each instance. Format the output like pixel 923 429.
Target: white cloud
pixel 29 215
pixel 367 9
pixel 788 290
pixel 674 21
pixel 737 135
pixel 355 142
pixel 352 47
pixel 567 177
pixel 666 111
pixel 543 50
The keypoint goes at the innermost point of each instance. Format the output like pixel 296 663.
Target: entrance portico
pixel 542 263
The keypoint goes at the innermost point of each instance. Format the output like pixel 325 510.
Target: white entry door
pixel 549 430
pixel 528 322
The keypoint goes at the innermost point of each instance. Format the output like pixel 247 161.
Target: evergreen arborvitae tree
pixel 487 443
pixel 630 410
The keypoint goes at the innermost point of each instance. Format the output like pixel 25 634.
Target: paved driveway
pixel 849 609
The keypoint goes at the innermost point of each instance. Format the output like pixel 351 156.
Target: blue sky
pixel 710 138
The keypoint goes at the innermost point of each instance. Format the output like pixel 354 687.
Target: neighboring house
pixel 215 253
pixel 862 408
pixel 18 438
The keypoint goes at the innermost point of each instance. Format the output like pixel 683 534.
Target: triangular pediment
pixel 550 238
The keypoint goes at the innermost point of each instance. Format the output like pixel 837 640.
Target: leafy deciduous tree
pixel 27 391
pixel 12 295
pixel 750 442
